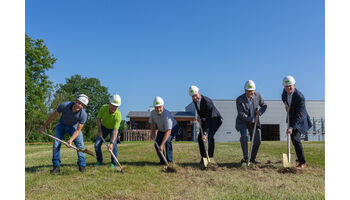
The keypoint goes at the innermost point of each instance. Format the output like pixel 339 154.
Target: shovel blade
pixel 285 161
pixel 205 162
pixel 88 152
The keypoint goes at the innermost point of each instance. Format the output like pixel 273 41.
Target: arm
pixel 99 133
pixel 75 135
pixel 51 118
pixel 262 105
pixel 165 138
pixel 284 99
pixel 299 106
pixel 114 136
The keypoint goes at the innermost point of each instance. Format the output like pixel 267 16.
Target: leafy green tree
pixel 98 95
pixel 37 85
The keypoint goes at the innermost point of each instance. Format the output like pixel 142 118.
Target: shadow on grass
pixel 230 165
pixel 140 163
pixel 34 169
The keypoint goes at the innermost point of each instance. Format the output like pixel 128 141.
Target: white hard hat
pixel 249 85
pixel 193 90
pixel 158 101
pixel 288 80
pixel 83 99
pixel 115 100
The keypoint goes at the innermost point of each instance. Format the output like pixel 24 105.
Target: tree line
pixel 42 96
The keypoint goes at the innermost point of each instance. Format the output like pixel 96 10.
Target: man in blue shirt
pixel 72 121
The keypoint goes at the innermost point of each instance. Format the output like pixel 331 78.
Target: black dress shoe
pixel 244 161
pixel 82 168
pixel 161 163
pixel 255 162
pixel 201 162
pixel 55 170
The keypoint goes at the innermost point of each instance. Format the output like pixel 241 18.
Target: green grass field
pixel 143 179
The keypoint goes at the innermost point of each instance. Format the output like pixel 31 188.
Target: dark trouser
pixel 244 142
pixel 98 143
pixel 168 145
pixel 298 146
pixel 214 124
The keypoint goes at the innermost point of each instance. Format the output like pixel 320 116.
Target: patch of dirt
pixel 212 166
pixel 172 168
pixel 289 170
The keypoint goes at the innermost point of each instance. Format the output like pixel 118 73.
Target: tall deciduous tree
pixel 98 95
pixel 37 85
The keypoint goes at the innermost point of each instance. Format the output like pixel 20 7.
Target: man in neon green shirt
pixel 108 122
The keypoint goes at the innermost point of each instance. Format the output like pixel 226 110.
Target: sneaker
pixel 244 162
pixel 301 166
pixel 82 168
pixel 55 170
pixel 201 162
pixel 112 166
pixel 98 163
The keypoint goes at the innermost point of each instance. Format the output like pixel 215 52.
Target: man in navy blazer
pixel 249 105
pixel 209 117
pixel 299 120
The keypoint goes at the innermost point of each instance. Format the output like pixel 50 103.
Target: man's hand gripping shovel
pixel 121 169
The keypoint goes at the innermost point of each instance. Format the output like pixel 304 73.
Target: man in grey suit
pixel 249 105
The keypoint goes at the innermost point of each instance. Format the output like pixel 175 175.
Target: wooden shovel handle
pixel 55 138
pixel 205 148
pixel 161 153
pixel 111 153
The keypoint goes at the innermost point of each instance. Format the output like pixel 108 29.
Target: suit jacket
pixel 244 119
pixel 298 116
pixel 206 112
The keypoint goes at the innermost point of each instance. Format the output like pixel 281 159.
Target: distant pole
pixel 322 126
pixel 313 124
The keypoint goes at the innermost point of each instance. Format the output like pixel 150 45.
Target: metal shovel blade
pixel 287 163
pixel 205 162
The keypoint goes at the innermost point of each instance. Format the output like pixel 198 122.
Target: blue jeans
pixel 99 142
pixel 60 131
pixel 244 142
pixel 168 145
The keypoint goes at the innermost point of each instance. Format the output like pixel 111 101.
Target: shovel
pixel 121 169
pixel 206 160
pixel 77 149
pixel 288 161
pixel 168 168
pixel 252 143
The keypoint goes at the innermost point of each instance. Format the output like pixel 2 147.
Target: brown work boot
pixel 301 166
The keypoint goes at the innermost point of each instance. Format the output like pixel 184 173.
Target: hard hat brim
pixel 115 104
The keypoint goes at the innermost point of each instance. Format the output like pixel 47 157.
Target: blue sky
pixel 142 49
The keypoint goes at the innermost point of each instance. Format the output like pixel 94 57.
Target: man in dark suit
pixel 210 119
pixel 299 120
pixel 248 108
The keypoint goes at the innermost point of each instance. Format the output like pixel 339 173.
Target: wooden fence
pixel 138 135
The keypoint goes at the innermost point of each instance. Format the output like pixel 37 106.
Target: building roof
pixel 146 114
